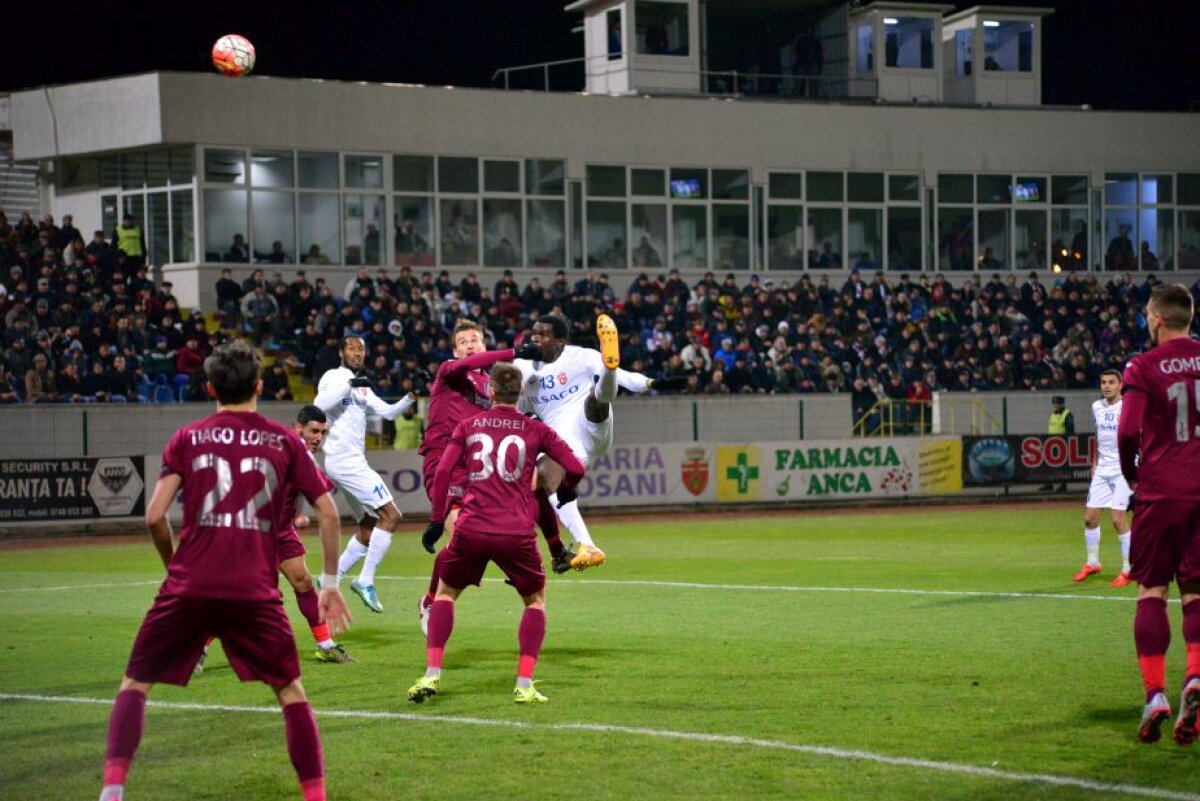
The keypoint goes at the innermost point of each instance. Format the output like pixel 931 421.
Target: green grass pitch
pixel 981 684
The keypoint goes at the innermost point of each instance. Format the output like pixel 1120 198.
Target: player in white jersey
pixel 572 392
pixel 1108 489
pixel 346 398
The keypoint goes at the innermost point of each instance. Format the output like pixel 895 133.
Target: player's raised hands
pixel 532 352
pixel 334 611
pixel 674 382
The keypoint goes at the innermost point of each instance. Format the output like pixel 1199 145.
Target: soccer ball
pixel 233 55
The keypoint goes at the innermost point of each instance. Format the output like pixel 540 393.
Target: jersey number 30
pixel 483 465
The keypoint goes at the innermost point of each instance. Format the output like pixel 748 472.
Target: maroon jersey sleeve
pixel 441 481
pixel 561 452
pixel 306 478
pixel 452 372
pixel 1133 409
pixel 173 459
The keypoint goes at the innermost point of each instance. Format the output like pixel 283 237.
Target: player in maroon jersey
pixel 499 449
pixel 1159 444
pixel 459 391
pixel 239 472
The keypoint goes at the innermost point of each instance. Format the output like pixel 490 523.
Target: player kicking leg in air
pixel 1108 489
pixel 1159 445
pixel 498 449
pixel 572 392
pixel 346 398
pixel 239 472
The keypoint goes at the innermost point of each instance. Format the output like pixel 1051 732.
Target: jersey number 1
pixel 488 465
pixel 1178 392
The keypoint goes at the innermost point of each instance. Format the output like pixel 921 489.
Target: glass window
pixel 904 187
pixel 363 220
pixel 182 165
pixel 730 185
pixel 908 42
pixel 1157 239
pixel 956 238
pixel 364 172
pixel 824 239
pixel 457 174
pixel 649 234
pixel 546 232
pixel 157 170
pixel 318 170
pixel 962 53
pixel 545 176
pixel 412 173
pixel 1029 239
pixel 501 176
pixel 731 236
pixel 110 171
pixel 1029 190
pixel 865 51
pixel 460 232
pixel 271 169
pixel 1156 189
pixel 954 188
pixel 225 216
pixel 108 213
pixel 135 206
pixel 689 184
pixel 993 189
pixel 1068 239
pixel 606 241
pixel 648 182
pixel 577 257
pixel 274 237
pixel 864 187
pixel 689 241
pixel 662 28
pixel 616 48
pixel 785 237
pixel 158 227
pixel 1120 189
pixel 414 231
pixel 786 185
pixel 864 238
pixel 183 227
pixel 133 171
pixel 502 232
pixel 1068 190
pixel 605 181
pixel 224 166
pixel 904 238
pixel 993 239
pixel 320 225
pixel 826 186
pixel 1189 240
pixel 1120 230
pixel 1189 188
pixel 1007 46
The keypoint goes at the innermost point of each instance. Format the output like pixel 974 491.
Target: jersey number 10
pixel 1178 392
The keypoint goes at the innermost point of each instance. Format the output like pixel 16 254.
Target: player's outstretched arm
pixel 476 361
pixel 159 526
pixel 330 393
pixel 390 410
pixel 441 486
pixel 558 450
pixel 332 605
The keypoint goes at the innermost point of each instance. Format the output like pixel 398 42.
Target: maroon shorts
pixel 468 554
pixel 288 546
pixel 1165 545
pixel 255 635
pixel 458 479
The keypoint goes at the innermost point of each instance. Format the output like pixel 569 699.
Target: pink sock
pixel 441 623
pixel 529 636
pixel 1152 636
pixel 1191 635
pixel 304 747
pixel 125 726
pixel 310 607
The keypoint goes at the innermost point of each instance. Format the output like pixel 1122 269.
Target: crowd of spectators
pixel 84 321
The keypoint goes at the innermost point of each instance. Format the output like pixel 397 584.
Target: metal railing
pixel 899 418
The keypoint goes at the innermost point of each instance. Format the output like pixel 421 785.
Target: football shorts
pixel 1108 492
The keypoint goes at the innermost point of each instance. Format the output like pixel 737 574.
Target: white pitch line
pixel 83 586
pixel 962 769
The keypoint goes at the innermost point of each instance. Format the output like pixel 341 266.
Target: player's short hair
pixel 1111 371
pixel 346 339
pixel 464 324
pixel 232 371
pixel 557 325
pixel 310 414
pixel 506 382
pixel 1173 302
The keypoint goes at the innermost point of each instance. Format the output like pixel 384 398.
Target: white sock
pixel 1091 536
pixel 381 540
pixel 572 520
pixel 606 388
pixel 325 645
pixel 355 551
pixel 112 792
pixel 1124 540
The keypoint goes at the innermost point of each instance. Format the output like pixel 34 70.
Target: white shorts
pixel 588 440
pixel 1108 492
pixel 364 488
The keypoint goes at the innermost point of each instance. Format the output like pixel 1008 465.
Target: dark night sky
pixel 1113 54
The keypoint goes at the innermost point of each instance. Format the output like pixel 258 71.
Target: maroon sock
pixel 125 726
pixel 1152 636
pixel 310 607
pixel 547 521
pixel 529 636
pixel 441 623
pixel 304 747
pixel 1191 636
pixel 434 579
